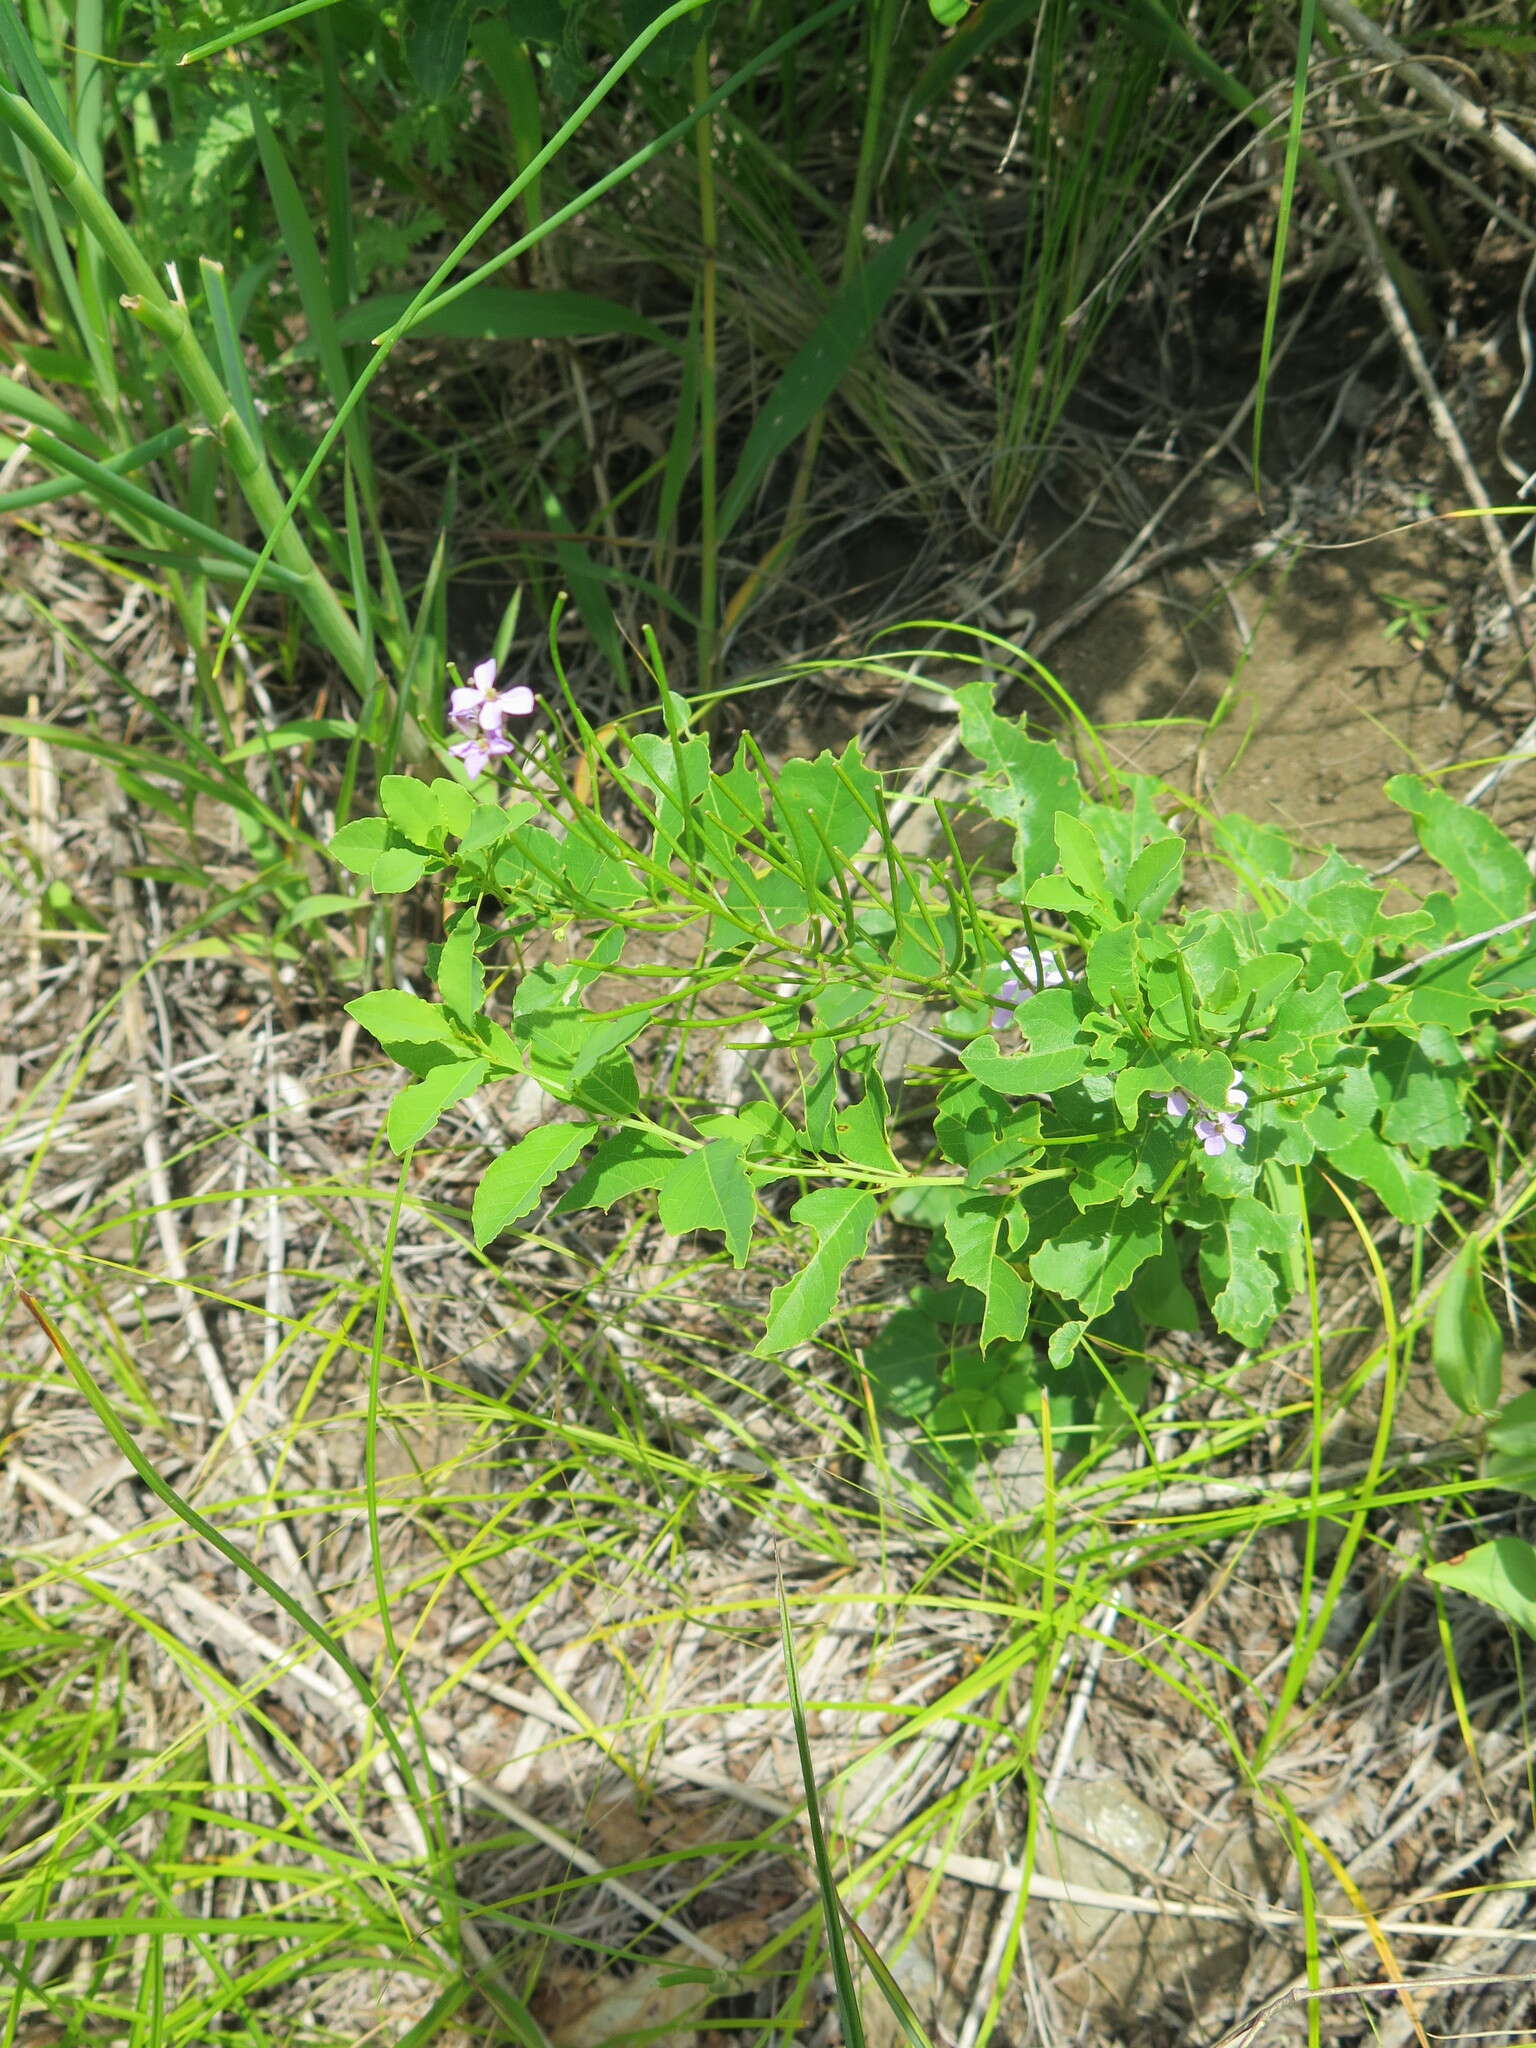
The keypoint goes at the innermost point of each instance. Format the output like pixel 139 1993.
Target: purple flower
pixel 1025 982
pixel 476 711
pixel 1217 1132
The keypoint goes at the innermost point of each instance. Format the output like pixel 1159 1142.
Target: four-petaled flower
pixel 476 711
pixel 1215 1131
pixel 1024 982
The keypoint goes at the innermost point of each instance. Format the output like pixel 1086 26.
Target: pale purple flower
pixel 1217 1132
pixel 1024 982
pixel 476 711
pixel 1222 1126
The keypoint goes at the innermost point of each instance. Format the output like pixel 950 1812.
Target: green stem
pixel 146 299
pixel 709 568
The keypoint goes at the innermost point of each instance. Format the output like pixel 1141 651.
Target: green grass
pixel 391 1629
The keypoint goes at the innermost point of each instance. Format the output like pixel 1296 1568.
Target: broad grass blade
pixel 815 373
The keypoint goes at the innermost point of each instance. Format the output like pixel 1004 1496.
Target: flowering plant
pixel 478 713
pixel 1094 1164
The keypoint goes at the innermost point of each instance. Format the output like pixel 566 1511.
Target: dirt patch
pixel 1272 686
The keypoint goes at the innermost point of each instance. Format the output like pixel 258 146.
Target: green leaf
pixel 678 771
pixel 1512 1433
pixel 840 794
pixel 1248 1303
pixel 357 846
pixel 489 824
pixel 621 1166
pixel 460 976
pixel 1512 1446
pixel 1110 968
pixel 1024 1073
pixel 1040 782
pixel 417 1108
pixel 412 809
pixel 1204 1077
pixel 902 1363
pixel 1062 1348
pixel 1081 861
pixel 978 1130
pixel 1050 1023
pixel 436 37
pixel 709 1190
pixel 1259 982
pixel 1411 1193
pixel 1109 1169
pixel 815 373
pixel 1427 1079
pixel 1467 1346
pixel 1344 1110
pixel 1094 1258
pixel 1153 879
pixel 610 1089
pixel 536 21
pixel 397 1017
pixel 495 313
pixel 974 1228
pixel 1162 1300
pixel 512 1184
pixel 760 1128
pixel 397 869
pixel 1501 1573
pixel 1493 883
pixel 1449 992
pixel 1305 1015
pixel 860 1127
pixel 840 1219
pixel 1260 853
pixel 456 806
pixel 565 1038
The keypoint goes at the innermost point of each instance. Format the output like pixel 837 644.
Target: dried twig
pixel 1441 418
pixel 1478 122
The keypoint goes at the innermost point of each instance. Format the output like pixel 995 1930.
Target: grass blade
pixel 135 508
pixel 1304 27
pixel 815 373
pixel 831 1903
pixel 248 31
